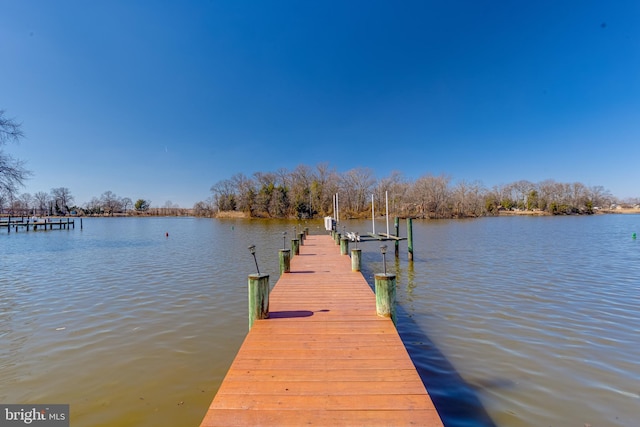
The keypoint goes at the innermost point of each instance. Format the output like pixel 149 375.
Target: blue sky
pixel 162 99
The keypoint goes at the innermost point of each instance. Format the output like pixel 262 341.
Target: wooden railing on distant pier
pixel 28 223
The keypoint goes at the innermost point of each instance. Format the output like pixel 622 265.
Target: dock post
pixel 396 226
pixel 295 248
pixel 285 261
pixel 410 238
pixel 356 259
pixel 386 295
pixel 9 225
pixel 80 223
pixel 301 238
pixel 337 238
pixel 258 297
pixel 344 246
pixel 306 231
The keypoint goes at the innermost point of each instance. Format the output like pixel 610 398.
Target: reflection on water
pixel 511 321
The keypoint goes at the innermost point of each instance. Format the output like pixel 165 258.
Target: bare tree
pixel 41 201
pixel 12 171
pixel 432 194
pixel 266 183
pixel 126 203
pixel 323 187
pixel 94 206
pixel 600 196
pixel 395 188
pixel 356 185
pixel 110 202
pixel 26 203
pixel 62 198
pixel 203 209
pixel 224 195
pixel 300 191
pixel 4 201
pixel 245 192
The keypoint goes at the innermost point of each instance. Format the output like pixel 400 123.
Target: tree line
pixel 307 192
pixel 59 201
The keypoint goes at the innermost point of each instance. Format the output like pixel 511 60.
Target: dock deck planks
pixel 323 357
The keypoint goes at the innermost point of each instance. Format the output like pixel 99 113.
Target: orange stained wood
pixel 323 357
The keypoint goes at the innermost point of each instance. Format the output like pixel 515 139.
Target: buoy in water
pixel 633 236
pixel 166 234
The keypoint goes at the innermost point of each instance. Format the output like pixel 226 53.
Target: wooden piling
pixel 285 261
pixel 356 259
pixel 301 238
pixel 337 237
pixel 386 295
pixel 396 226
pixel 410 238
pixel 344 246
pixel 258 297
pixel 295 247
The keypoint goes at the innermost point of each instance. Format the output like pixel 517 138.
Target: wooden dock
pixel 38 224
pixel 323 357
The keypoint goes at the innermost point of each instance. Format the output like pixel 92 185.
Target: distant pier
pixel 29 223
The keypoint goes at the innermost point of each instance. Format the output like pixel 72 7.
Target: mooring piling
pixel 386 295
pixel 410 238
pixel 285 261
pixel 396 226
pixel 344 246
pixel 258 297
pixel 356 259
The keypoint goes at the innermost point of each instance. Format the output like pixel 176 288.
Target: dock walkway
pixel 323 357
pixel 21 222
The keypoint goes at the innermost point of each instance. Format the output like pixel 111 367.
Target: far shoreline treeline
pixel 307 192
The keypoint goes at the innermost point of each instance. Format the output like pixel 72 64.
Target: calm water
pixel 511 321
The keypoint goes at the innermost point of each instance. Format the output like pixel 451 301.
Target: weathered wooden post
pixel 258 288
pixel 80 223
pixel 337 238
pixel 344 246
pixel 295 248
pixel 285 261
pixel 301 238
pixel 306 231
pixel 410 238
pixel 385 290
pixel 356 259
pixel 386 295
pixel 258 297
pixel 396 226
